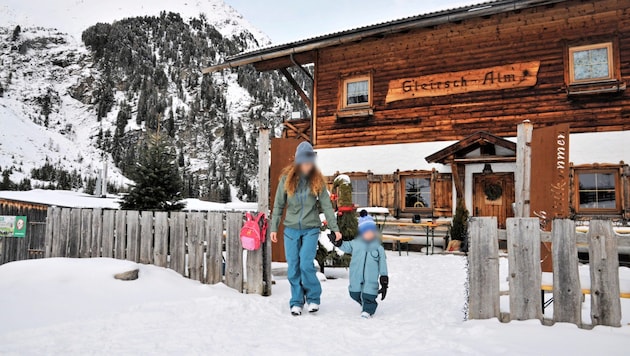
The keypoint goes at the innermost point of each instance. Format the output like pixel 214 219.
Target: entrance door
pixel 493 195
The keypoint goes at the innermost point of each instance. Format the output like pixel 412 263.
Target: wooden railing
pixel 525 276
pixel 204 246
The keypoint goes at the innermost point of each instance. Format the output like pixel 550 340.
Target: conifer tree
pixel 158 183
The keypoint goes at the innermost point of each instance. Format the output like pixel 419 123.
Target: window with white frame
pixel 357 92
pixel 591 63
pixel 417 192
pixel 597 190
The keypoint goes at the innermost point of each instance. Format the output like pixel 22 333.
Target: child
pixel 367 267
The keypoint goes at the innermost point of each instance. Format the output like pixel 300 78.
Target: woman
pixel 302 190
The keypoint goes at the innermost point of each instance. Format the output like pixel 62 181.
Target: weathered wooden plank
pixel 108 236
pixel 177 243
pixel 97 233
pixel 160 248
pixel 146 237
pixel 74 234
pixel 133 236
pixel 567 292
pixel 60 242
pixel 258 267
pixel 524 264
pixel 48 239
pixel 604 267
pixel 522 176
pixel 121 232
pixel 85 243
pixel 483 269
pixel 234 252
pixel 214 241
pixel 196 239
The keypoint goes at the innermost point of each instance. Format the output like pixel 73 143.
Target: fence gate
pixel 32 245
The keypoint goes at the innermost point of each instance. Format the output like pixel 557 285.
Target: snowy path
pixel 62 306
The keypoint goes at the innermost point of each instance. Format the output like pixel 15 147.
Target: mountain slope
pixel 138 75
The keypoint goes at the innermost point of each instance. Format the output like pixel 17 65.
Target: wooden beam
pixel 297 87
pixel 485 159
pixel 523 168
pixel 299 133
pixel 459 184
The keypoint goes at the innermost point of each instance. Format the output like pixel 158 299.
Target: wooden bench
pixel 398 242
pixel 549 288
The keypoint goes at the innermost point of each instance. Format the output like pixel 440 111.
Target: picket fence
pixel 191 244
pixel 523 238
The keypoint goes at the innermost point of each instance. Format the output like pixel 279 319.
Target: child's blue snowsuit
pixel 368 263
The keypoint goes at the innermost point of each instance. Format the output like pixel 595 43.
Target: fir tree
pixel 459 227
pixel 157 180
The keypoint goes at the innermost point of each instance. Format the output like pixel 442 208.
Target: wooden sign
pixel 549 188
pixel 518 75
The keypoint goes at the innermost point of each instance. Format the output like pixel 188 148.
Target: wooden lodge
pixel 423 111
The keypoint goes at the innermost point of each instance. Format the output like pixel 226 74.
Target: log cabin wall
pixel 542 33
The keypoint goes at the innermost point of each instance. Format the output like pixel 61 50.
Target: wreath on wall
pixel 493 191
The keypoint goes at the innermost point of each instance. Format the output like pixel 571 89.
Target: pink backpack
pixel 254 231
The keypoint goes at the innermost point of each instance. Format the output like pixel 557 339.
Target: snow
pixel 74 16
pixel 72 306
pixel 65 198
pixel 585 148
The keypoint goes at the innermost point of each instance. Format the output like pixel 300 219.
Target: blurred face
pixel 306 168
pixel 369 235
pixel 20 224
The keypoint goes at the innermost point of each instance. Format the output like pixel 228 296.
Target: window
pixel 591 63
pixel 417 192
pixel 360 192
pixel 597 190
pixel 357 92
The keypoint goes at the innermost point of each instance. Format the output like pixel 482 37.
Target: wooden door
pixel 282 152
pixel 493 195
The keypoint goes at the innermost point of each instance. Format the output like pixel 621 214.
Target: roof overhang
pixel 285 53
pixel 468 145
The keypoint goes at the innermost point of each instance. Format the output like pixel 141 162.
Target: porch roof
pixel 469 144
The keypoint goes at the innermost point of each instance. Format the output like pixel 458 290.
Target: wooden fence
pixel 32 245
pixel 525 294
pixel 192 244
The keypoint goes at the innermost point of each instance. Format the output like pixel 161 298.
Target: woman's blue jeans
pixel 300 247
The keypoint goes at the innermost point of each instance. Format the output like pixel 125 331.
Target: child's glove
pixel 383 291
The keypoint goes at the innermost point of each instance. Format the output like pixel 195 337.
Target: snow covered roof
pixel 71 199
pixel 394 26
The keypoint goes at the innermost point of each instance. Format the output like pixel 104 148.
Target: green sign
pixel 12 226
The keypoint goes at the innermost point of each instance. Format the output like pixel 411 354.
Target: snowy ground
pixel 64 306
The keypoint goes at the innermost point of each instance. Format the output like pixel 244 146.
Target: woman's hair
pixel 292 172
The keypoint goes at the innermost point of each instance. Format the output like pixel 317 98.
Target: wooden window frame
pixel 612 67
pixel 402 186
pixel 596 211
pixel 343 104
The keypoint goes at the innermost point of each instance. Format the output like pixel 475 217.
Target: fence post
pixel 567 292
pixel 483 268
pixel 522 177
pixel 256 261
pixel 604 266
pixel 146 237
pixel 234 252
pixel 160 248
pixel 523 236
pixel 74 235
pixel 178 242
pixel 97 233
pixel 121 232
pixel 86 233
pixel 133 236
pixel 196 238
pixel 214 241
pixel 108 233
